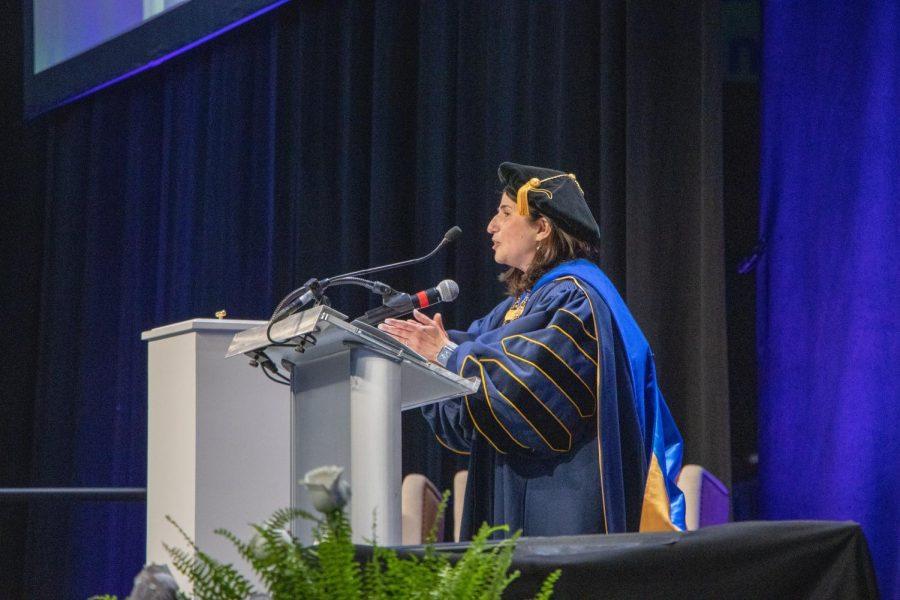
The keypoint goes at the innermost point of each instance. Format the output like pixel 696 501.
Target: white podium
pixel 227 447
pixel 349 384
pixel 218 440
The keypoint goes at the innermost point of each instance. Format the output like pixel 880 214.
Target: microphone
pixel 314 288
pixel 452 233
pixel 402 304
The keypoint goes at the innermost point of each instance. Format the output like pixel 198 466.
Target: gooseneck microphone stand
pixel 314 289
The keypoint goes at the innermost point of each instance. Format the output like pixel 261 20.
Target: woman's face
pixel 515 237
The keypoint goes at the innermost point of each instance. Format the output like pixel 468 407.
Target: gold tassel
pixel 522 196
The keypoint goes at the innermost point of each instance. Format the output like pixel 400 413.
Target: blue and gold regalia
pixel 569 433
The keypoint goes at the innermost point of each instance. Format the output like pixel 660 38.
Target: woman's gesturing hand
pixel 423 334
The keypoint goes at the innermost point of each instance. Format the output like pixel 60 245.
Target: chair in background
pixel 706 499
pixel 419 499
pixel 459 494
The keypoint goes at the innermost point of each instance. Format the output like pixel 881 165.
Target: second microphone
pixel 403 304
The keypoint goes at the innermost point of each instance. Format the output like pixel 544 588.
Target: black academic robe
pixel 537 459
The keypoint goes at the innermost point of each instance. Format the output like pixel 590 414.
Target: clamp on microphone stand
pixel 315 289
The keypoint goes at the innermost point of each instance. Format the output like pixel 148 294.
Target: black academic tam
pixel 552 193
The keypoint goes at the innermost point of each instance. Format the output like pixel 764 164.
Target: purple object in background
pixel 829 365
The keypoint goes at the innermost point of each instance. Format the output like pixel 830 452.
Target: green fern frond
pixel 431 538
pixel 373 584
pixel 282 564
pixel 209 578
pixel 283 517
pixel 501 559
pixel 481 571
pixel 243 548
pixel 339 573
pixel 546 590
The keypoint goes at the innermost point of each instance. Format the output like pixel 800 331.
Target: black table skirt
pixel 780 559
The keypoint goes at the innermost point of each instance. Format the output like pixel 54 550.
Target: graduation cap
pixel 552 193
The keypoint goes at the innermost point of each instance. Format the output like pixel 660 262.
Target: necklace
pixel 518 307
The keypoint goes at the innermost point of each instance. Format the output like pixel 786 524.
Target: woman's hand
pixel 423 334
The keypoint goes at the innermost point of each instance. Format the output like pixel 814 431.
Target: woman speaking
pixel 568 433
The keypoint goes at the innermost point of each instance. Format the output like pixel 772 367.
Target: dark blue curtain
pixel 330 136
pixel 829 335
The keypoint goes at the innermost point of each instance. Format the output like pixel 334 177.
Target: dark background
pixel 313 141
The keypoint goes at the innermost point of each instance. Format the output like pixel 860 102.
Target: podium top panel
pixel 322 332
pixel 330 329
pixel 223 325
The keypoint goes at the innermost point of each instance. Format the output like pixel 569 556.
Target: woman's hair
pixel 556 248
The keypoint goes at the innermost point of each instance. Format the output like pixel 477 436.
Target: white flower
pixel 256 546
pixel 286 537
pixel 327 490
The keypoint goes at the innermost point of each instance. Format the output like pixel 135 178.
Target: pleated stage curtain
pixel 829 335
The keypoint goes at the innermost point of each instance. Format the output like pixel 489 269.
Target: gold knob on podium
pixel 221 314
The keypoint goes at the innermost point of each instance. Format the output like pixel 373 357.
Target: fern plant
pixel 329 570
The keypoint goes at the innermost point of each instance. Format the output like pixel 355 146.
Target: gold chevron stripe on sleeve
pixel 574 343
pixel 450 448
pixel 544 406
pixel 577 318
pixel 469 407
pixel 578 408
pixel 487 397
pixel 557 356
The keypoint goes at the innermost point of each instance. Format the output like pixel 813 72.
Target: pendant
pixel 518 307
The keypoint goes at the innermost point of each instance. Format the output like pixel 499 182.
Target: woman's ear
pixel 544 227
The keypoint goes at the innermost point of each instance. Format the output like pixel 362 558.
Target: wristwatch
pixel 444 355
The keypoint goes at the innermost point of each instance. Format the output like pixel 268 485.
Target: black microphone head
pixel 453 233
pixel 448 290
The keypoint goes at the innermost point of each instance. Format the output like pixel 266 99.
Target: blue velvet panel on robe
pixel 560 439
